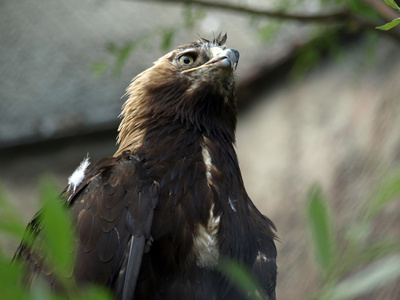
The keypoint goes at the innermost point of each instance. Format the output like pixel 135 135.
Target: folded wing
pixel 112 207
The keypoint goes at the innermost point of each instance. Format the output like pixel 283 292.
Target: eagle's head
pixel 193 84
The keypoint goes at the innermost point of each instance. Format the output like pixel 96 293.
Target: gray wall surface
pixel 48 49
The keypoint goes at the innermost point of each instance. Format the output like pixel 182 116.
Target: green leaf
pixel 57 228
pixel 321 228
pixel 166 38
pixel 191 16
pixel 393 4
pixel 268 31
pixel 363 9
pixel 94 292
pixel 374 276
pixel 371 252
pixel 9 280
pixel 111 47
pixel 306 59
pixel 378 250
pixel 386 192
pixel 99 68
pixel 10 220
pixel 242 278
pixel 122 55
pixel 389 25
pixel 357 232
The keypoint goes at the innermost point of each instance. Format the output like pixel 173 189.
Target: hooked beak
pixel 227 58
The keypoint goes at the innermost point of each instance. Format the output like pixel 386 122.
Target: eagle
pixel 158 219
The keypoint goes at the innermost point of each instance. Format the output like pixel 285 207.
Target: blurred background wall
pixel 312 110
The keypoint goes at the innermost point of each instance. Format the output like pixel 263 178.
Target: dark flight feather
pixel 155 220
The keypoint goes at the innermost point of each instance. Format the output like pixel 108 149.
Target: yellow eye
pixel 186 60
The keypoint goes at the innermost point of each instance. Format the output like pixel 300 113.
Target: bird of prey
pixel 158 218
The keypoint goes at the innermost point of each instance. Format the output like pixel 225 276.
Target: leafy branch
pixel 393 23
pixel 349 14
pixel 335 16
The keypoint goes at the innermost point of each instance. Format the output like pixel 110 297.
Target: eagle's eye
pixel 187 59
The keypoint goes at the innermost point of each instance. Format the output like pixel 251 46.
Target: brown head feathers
pixel 203 99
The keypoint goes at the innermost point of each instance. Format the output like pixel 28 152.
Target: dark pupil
pixel 186 60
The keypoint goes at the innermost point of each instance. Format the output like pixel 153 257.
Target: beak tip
pixel 228 58
pixel 233 56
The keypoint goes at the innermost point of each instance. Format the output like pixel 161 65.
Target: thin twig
pixel 384 10
pixel 343 15
pixel 335 16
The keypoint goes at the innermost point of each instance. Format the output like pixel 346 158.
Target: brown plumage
pixel 155 220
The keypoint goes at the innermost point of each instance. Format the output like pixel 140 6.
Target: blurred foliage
pixel 363 262
pixel 362 9
pixel 321 228
pixel 240 275
pixel 335 18
pixel 60 249
pixel 120 54
pixel 58 246
pixel 325 43
pixel 350 267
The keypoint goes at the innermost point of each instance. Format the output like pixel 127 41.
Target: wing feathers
pixel 135 255
pixel 117 221
pixel 113 209
pixel 138 225
pixel 89 230
pixel 110 244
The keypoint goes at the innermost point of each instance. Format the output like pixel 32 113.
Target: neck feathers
pixel 158 97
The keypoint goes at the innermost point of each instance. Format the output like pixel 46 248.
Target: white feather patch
pixel 262 258
pixel 205 243
pixel 79 174
pixel 207 161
